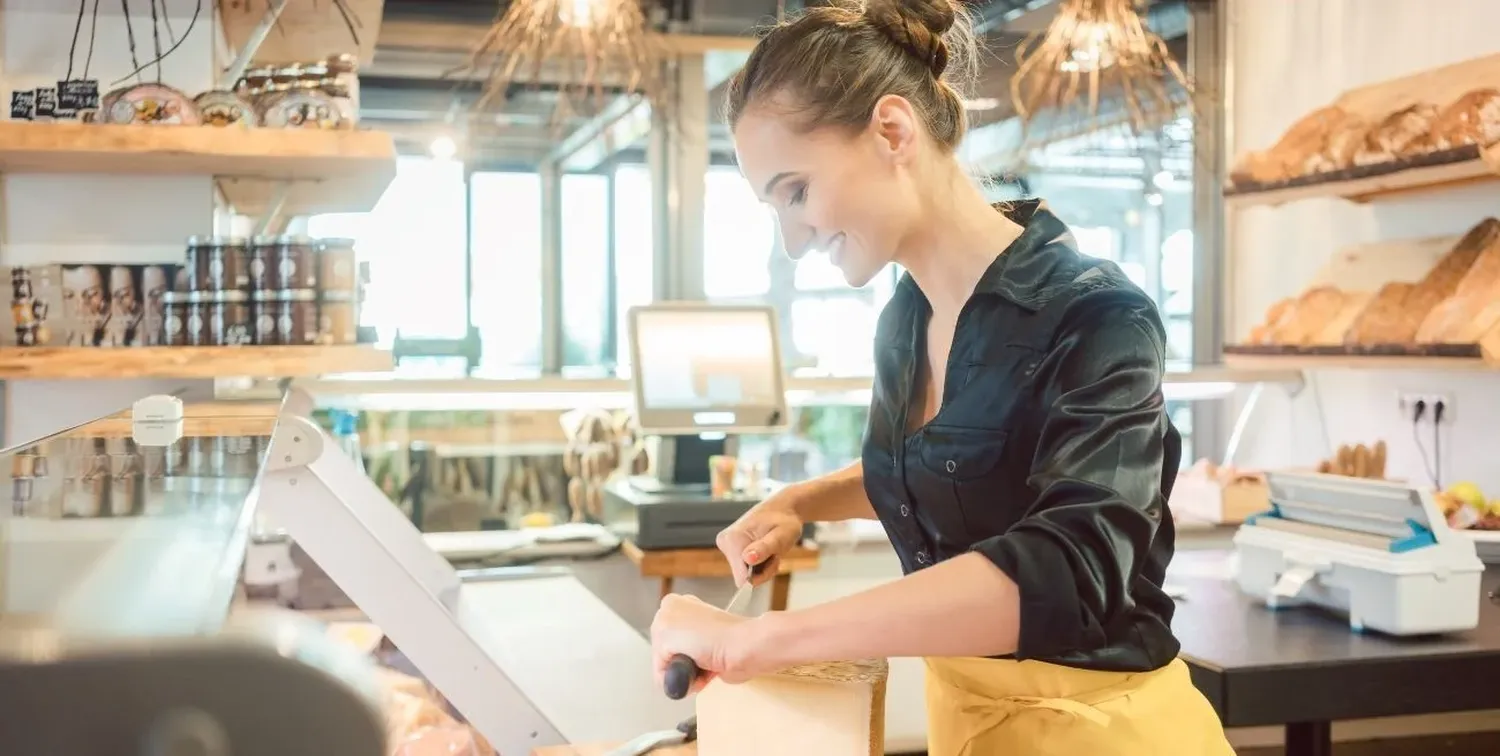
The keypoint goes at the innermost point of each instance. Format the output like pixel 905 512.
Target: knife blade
pixel 686 732
pixel 681 669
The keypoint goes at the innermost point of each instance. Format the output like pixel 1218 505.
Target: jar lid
pixel 294 239
pixel 229 296
pixel 207 241
pixel 181 297
pixel 336 243
pixel 338 296
pixel 264 240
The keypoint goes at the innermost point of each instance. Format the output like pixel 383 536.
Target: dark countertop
pixel 1260 666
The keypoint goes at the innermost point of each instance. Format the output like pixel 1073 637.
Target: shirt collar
pixel 1017 274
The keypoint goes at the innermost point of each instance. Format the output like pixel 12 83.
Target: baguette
pixel 1312 312
pixel 1477 254
pixel 1333 332
pixel 1290 156
pixel 1383 319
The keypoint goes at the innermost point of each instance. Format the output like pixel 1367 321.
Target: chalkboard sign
pixel 76 96
pixel 46 103
pixel 23 105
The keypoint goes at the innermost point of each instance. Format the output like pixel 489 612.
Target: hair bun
pixel 917 26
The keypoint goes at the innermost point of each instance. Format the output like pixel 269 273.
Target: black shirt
pixel 1052 454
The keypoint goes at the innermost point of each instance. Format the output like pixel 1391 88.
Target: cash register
pixel 701 375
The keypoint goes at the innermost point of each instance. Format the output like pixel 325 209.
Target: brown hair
pixel 831 64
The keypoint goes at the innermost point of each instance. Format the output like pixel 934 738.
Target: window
pixel 635 251
pixel 585 269
pixel 414 242
pixel 827 326
pixel 507 265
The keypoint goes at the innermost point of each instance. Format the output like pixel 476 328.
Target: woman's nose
pixel 796 241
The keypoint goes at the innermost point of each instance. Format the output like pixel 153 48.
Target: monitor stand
pixel 680 463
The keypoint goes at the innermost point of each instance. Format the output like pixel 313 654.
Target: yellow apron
pixel 997 707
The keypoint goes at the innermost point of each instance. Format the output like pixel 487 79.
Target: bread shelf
pixel 27 363
pixel 1401 121
pixel 322 171
pixel 1439 171
pixel 1352 361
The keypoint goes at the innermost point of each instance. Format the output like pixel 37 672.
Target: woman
pixel 1018 451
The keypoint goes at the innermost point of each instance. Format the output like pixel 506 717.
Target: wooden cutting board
pixel 600 750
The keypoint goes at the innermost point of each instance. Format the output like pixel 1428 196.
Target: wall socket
pixel 1407 402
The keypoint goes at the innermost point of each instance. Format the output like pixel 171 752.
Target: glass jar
pixel 229 319
pixel 338 319
pixel 338 270
pixel 263 251
pixel 296 264
pixel 287 317
pixel 183 323
pixel 226 265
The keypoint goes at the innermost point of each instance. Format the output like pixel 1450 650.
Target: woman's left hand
pixel 719 642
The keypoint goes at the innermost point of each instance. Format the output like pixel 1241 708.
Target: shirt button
pixel 952 467
pixel 905 511
pixel 922 558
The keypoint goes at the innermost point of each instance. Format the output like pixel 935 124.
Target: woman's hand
pixel 770 529
pixel 722 644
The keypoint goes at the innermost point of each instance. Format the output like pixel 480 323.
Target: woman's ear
pixel 894 123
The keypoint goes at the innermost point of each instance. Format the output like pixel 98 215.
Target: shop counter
pixel 1304 669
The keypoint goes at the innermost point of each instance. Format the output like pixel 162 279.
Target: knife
pixel 681 669
pixel 686 732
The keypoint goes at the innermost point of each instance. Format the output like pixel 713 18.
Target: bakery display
pixel 1448 311
pixel 1441 117
pixel 1357 461
pixel 1467 508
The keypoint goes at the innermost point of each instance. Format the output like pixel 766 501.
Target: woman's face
pixel 846 195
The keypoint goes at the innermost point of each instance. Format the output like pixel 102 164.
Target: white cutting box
pixel 1380 552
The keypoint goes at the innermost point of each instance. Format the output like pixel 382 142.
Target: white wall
pixel 95 218
pixel 1289 57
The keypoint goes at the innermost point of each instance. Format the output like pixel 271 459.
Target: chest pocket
pixel 964 469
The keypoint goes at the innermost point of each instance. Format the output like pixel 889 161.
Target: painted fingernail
pixel 752 556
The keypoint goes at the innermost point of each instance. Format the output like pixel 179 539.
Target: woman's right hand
pixel 762 535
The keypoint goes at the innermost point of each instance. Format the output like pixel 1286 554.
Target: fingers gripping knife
pixel 682 670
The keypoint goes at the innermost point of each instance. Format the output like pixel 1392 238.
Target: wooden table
pixel 1304 669
pixel 691 749
pixel 670 564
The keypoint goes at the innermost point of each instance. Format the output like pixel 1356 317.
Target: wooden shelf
pixel 329 171
pixel 28 363
pixel 1353 362
pixel 1410 180
pixel 1372 103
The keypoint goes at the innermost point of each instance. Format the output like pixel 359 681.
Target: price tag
pixel 46 103
pixel 23 105
pixel 76 96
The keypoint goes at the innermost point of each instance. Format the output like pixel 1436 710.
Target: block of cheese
pixel 834 709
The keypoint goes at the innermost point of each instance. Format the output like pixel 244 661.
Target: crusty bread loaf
pixel 1475 262
pixel 1339 147
pixel 1471 119
pixel 1311 313
pixel 1262 333
pixel 1404 133
pixel 1291 154
pixel 1384 318
pixel 1485 320
pixel 1333 332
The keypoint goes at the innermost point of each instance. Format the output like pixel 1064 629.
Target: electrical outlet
pixel 1407 402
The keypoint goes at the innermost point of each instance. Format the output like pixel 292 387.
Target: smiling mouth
pixel 835 248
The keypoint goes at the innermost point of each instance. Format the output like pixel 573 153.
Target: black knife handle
pixel 681 672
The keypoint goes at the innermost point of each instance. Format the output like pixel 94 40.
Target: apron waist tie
pixel 988 714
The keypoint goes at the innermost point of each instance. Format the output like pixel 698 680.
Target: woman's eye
pixel 800 195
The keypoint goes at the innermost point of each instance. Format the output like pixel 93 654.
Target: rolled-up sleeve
pixel 1097 478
